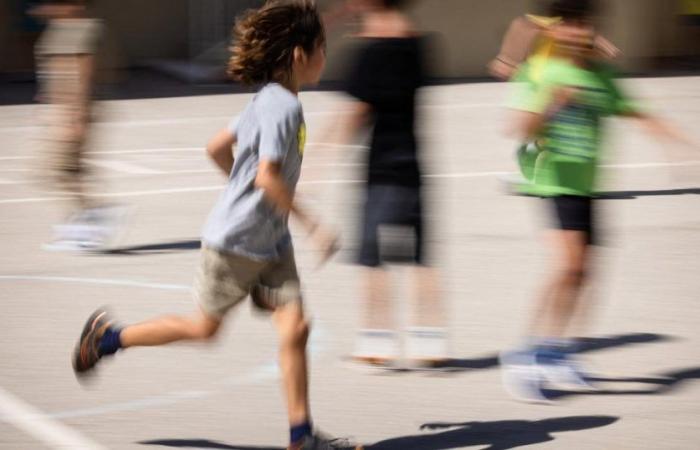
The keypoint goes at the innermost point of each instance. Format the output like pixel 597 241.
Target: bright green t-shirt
pixel 569 142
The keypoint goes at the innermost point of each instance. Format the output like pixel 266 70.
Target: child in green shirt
pixel 562 113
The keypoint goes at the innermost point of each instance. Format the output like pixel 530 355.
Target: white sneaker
pixel 379 347
pixel 522 378
pixel 427 346
pixel 566 373
pixel 88 230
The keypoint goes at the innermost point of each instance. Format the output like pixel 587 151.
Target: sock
pixel 110 341
pixel 299 432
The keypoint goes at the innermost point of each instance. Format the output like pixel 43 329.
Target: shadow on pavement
pixel 584 345
pixel 629 195
pixel 202 443
pixel 165 247
pixel 501 434
pixel 661 384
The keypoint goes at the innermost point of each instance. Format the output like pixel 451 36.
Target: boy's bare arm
pixel 220 150
pixel 516 46
pixel 660 128
pixel 269 179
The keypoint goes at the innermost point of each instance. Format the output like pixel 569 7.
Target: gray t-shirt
pixel 272 128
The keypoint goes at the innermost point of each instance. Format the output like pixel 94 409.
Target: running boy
pixel 563 112
pixel 247 247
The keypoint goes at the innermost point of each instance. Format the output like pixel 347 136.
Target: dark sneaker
pixel 87 350
pixel 322 442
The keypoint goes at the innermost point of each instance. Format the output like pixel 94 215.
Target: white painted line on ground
pixel 467 174
pixel 225 118
pixel 650 165
pixel 217 187
pixel 14 158
pixel 38 425
pixel 169 398
pixel 456 175
pixel 102 281
pixel 14 169
pixel 121 166
pixel 33 200
pixel 200 149
pixel 148 150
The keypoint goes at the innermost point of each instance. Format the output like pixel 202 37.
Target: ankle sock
pixel 110 341
pixel 299 432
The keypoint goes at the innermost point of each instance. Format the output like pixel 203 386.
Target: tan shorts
pixel 225 279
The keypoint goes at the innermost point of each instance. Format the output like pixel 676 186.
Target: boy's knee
pixel 206 331
pixel 574 276
pixel 297 334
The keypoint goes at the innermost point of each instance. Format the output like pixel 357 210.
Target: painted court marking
pixel 456 175
pixel 51 432
pixel 226 118
pixel 123 167
pixel 102 281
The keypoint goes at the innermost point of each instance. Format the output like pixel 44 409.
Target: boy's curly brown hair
pixel 264 40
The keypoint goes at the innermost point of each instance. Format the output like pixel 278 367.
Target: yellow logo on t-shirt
pixel 301 138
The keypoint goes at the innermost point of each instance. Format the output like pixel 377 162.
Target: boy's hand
pixel 604 48
pixel 327 242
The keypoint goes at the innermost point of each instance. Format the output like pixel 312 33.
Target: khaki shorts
pixel 225 279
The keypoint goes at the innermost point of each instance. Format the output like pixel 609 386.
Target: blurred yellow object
pixel 544 46
pixel 543 21
pixel 690 7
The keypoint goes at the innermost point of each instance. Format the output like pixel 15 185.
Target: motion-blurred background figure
pixel 384 80
pixel 66 66
pixel 562 111
pixel 527 37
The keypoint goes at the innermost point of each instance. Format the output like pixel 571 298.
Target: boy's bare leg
pixel 379 314
pixel 429 308
pixel 567 282
pixel 426 340
pixel 293 330
pixel 168 329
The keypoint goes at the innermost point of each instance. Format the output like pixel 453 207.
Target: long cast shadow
pixel 661 384
pixel 629 195
pixel 583 345
pixel 202 443
pixel 164 247
pixel 497 435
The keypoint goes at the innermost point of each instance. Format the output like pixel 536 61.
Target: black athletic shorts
pixel 393 225
pixel 573 212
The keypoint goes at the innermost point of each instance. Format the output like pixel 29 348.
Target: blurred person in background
pixel 527 36
pixel 66 65
pixel 345 11
pixel 247 247
pixel 563 112
pixel 383 80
